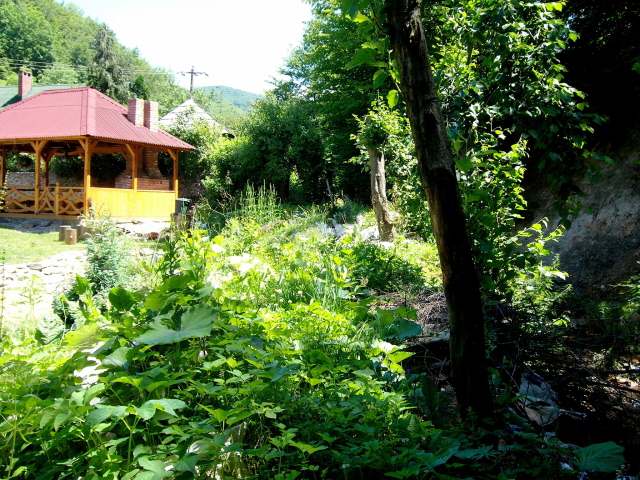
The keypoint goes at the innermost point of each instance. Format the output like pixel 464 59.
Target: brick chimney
pixel 151 115
pixel 25 81
pixel 136 111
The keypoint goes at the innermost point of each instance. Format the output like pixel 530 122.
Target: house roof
pixel 189 112
pixel 77 112
pixel 9 94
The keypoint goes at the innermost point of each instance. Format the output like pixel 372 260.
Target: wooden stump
pixel 83 232
pixel 71 236
pixel 61 232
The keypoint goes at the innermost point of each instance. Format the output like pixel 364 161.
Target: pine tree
pixel 108 72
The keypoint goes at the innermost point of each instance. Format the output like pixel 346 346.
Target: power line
pixel 80 68
pixel 192 73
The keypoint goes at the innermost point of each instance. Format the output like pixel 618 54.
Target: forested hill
pixel 238 98
pixel 59 44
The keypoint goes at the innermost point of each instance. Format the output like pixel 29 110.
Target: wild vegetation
pixel 285 330
pixel 254 350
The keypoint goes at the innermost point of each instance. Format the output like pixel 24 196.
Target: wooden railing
pixel 19 200
pixel 53 200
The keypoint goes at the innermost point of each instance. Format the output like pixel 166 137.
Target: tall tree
pixel 25 36
pixel 373 137
pixel 108 73
pixel 438 175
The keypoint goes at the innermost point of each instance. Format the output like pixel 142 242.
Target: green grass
pixel 22 247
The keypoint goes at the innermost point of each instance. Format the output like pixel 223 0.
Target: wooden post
pixel 38 146
pixel 174 180
pixel 47 161
pixel 134 169
pixel 56 200
pixel 133 153
pixel 87 145
pixel 36 181
pixel 1 169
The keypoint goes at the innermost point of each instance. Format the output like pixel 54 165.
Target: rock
pixel 538 399
pixel 370 233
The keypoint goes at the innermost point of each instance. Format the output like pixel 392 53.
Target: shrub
pixel 107 255
pixel 384 269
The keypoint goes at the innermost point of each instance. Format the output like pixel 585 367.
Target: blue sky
pixel 239 43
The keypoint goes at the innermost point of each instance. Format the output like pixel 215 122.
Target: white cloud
pixel 239 43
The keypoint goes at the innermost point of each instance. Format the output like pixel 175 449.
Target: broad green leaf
pixel 401 329
pixel 361 18
pixel 117 359
pixel 411 471
pixel 604 457
pixel 392 98
pixel 156 467
pixel 187 464
pixel 464 164
pixel 146 411
pixel 85 336
pixel 380 77
pixel 400 355
pixel 121 299
pixel 104 412
pixel 474 453
pixel 168 405
pixel 364 56
pixel 60 419
pixel 308 448
pixel 195 323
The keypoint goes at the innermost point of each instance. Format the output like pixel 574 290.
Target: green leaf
pixel 195 323
pixel 361 18
pixel 168 405
pixel 401 329
pixel 400 355
pixel 464 164
pixel 117 359
pixel 411 471
pixel 121 299
pixel 380 77
pixel 104 412
pixel 392 98
pixel 604 457
pixel 187 464
pixel 474 453
pixel 307 448
pixel 364 56
pixel 156 467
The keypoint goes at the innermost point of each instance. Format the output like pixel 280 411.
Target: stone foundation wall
pixel 26 180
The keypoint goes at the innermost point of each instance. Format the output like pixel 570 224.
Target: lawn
pixel 23 247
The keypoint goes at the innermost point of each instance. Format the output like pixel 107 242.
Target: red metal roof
pixel 78 112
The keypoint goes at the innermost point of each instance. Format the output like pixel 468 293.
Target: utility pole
pixel 192 73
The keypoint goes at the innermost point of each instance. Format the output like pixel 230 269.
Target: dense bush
pixel 197 164
pixel 254 357
pixel 279 137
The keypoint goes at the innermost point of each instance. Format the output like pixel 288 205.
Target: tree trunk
pixel 437 172
pixel 384 216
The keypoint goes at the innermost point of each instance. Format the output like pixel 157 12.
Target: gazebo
pixel 82 122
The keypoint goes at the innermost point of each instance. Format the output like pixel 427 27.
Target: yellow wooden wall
pixel 125 203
